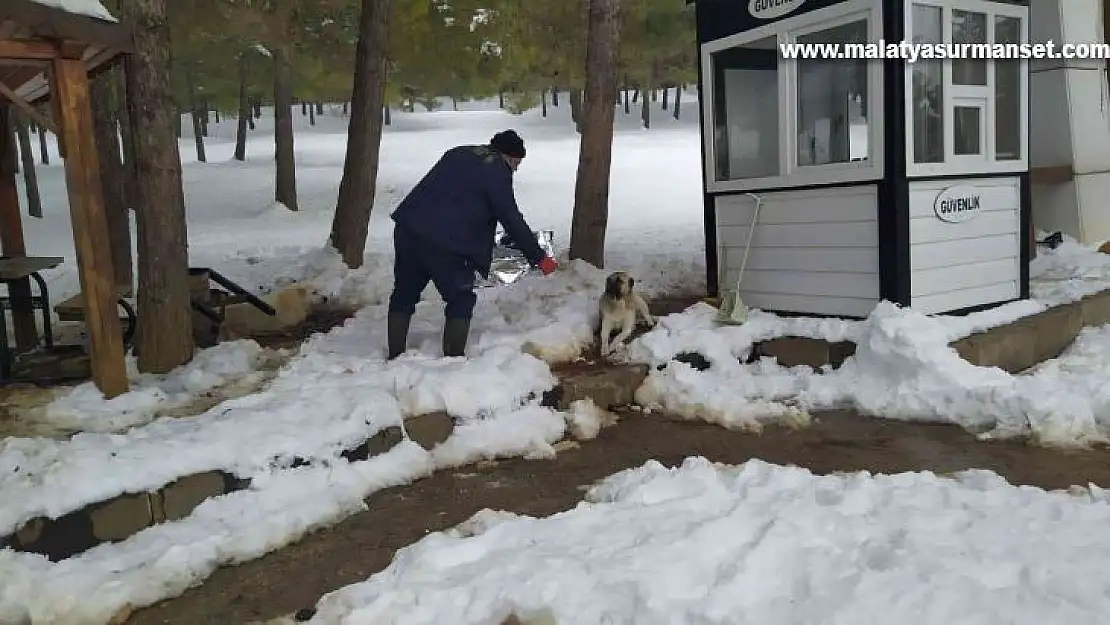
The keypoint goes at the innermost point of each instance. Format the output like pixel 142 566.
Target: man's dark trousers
pixel 416 263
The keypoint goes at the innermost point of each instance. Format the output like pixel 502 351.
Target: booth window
pixel 967 126
pixel 1007 92
pixel 928 88
pixel 746 110
pixel 967 111
pixel 969 27
pixel 832 101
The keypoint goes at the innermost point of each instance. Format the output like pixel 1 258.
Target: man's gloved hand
pixel 548 265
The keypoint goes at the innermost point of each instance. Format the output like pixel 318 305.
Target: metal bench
pixel 73 309
pixel 12 271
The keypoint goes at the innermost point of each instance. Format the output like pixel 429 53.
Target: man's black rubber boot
pixel 455 333
pixel 397 331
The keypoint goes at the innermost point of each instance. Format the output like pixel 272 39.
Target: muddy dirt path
pixel 295 577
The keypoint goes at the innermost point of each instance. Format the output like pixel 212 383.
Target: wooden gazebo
pixel 47 52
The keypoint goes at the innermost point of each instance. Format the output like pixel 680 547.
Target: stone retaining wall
pixel 126 515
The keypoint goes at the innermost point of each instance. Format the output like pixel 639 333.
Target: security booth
pixel 862 180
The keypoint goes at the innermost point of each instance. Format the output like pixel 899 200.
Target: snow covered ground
pixel 655 231
pixel 759 543
pixel 903 367
pixel 337 390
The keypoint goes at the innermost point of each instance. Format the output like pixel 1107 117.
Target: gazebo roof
pixel 82 27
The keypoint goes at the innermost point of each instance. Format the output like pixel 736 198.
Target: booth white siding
pixel 814 251
pixel 971 263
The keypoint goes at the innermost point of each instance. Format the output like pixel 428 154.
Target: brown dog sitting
pixel 618 310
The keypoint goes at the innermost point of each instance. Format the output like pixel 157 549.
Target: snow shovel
pixel 733 311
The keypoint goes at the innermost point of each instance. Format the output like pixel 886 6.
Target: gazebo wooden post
pixel 11 238
pixel 70 89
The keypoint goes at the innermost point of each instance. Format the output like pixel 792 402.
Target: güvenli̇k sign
pixel 771 9
pixel 958 204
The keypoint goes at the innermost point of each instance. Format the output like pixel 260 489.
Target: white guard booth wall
pixel 875 179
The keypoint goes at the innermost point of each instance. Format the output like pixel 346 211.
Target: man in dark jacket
pixel 444 233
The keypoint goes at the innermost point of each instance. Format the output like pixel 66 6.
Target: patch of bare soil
pixel 295 577
pixel 317 322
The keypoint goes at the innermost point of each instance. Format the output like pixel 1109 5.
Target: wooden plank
pixel 31 111
pixel 50 22
pixel 27 49
pixel 90 226
pixel 11 238
pixel 56 113
pixel 22 267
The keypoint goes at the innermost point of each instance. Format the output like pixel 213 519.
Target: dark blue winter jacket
pixel 460 201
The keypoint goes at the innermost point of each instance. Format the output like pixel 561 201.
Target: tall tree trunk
pixel 215 117
pixel 30 176
pixel 677 100
pixel 244 109
pixel 666 93
pixel 500 99
pixel 194 114
pixel 202 112
pixel 626 109
pixel 360 167
pixel 576 109
pixel 112 180
pixel 645 108
pixel 165 328
pixel 304 108
pixel 319 108
pixel 554 96
pixel 285 183
pixel 543 102
pixel 258 108
pixel 312 116
pixel 127 139
pixel 386 116
pixel 346 109
pixel 595 156
pixel 635 95
pixel 44 153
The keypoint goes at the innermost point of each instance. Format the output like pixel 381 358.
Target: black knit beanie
pixel 508 143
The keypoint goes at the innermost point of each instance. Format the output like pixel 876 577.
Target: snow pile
pixel 586 419
pixel 903 368
pixel 1068 272
pixel 758 543
pixel 322 404
pixel 336 392
pixel 91 8
pixel 281 506
pixel 86 409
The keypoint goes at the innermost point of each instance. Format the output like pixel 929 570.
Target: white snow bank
pixel 85 408
pixel 322 403
pixel 903 368
pixel 91 8
pixel 281 506
pixel 334 392
pixel 758 543
pixel 1069 272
